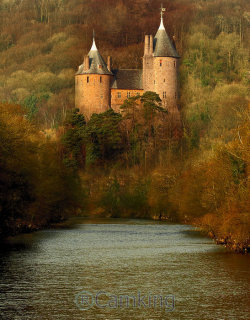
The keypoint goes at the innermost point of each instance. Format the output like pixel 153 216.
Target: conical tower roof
pixel 96 63
pixel 163 46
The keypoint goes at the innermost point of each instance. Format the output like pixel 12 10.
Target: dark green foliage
pixel 30 104
pixel 97 141
pixel 15 196
pixel 144 126
pixel 135 200
pixel 125 200
pixel 73 139
pixel 151 103
pixel 103 136
pixel 111 199
pixel 74 119
pixel 35 186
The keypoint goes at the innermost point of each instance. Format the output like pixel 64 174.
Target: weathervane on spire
pixel 162 10
pixel 162 25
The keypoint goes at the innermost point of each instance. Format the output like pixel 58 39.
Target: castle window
pixel 174 64
pixel 101 96
pixel 87 79
pixel 164 94
pixel 128 94
pixel 100 79
pixel 119 95
pixel 160 63
pixel 164 80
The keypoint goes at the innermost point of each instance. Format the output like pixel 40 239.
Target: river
pixel 121 269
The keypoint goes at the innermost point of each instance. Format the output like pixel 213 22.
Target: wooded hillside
pixel 139 170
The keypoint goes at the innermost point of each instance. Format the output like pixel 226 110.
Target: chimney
pixel 109 63
pixel 146 45
pixel 86 63
pixel 151 49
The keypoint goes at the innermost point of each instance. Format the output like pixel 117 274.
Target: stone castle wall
pixel 119 95
pixel 92 93
pixel 166 80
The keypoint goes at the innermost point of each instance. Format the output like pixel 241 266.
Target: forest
pixel 53 164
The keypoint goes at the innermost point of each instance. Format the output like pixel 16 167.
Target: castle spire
pixel 163 46
pixel 162 25
pixel 96 63
pixel 93 48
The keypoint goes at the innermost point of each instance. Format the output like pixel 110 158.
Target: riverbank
pixel 237 241
pixel 231 231
pixel 21 227
pixel 226 240
pixel 230 243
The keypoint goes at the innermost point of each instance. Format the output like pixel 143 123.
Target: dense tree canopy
pixel 35 187
pixel 130 163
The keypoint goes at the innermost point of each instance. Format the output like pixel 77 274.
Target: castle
pixel 98 87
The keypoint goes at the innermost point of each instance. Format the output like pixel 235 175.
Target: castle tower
pixel 160 67
pixel 92 84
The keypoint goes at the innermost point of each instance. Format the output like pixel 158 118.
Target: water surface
pixel 43 273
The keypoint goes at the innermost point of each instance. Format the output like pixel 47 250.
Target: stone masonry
pixel 98 87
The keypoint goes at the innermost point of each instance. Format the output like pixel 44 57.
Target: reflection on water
pixel 42 273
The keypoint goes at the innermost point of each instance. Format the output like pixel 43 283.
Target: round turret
pixel 92 84
pixel 166 61
pixel 160 67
